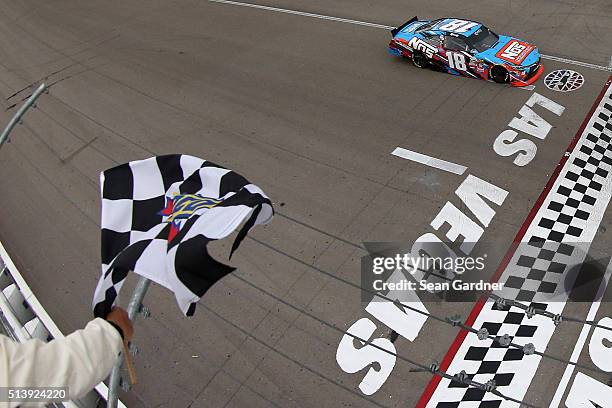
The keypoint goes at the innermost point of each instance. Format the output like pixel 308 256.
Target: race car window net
pixel 482 39
pixel 454 44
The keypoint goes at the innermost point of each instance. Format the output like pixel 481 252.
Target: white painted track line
pixel 578 63
pixel 429 161
pixel 387 27
pixel 303 13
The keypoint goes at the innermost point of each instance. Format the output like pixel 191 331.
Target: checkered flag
pixel 159 214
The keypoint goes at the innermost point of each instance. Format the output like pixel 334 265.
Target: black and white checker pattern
pixel 559 227
pixel 557 239
pixel 494 360
pixel 539 270
pixel 136 236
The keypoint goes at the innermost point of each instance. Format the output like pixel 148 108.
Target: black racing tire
pixel 419 59
pixel 499 74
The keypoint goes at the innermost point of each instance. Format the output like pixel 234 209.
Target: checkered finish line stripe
pixel 537 274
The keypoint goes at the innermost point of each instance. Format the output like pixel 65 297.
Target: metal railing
pixel 22 317
pixel 16 119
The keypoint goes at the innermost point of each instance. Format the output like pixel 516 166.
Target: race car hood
pixel 513 51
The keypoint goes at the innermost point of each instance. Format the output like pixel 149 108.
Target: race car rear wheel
pixel 419 59
pixel 499 74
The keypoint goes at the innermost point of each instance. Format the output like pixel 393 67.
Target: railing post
pixel 17 117
pixel 134 308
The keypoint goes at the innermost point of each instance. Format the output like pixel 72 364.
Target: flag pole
pixel 134 307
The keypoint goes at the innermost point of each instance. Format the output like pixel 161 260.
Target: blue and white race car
pixel 468 48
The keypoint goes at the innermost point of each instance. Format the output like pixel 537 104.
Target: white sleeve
pixel 78 361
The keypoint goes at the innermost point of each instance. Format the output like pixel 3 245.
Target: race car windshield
pixel 482 39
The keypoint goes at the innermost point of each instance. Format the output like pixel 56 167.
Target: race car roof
pixel 455 26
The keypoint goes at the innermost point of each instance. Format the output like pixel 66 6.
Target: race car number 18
pixel 458 26
pixel 456 61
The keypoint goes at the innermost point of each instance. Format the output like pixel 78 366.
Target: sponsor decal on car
pixel 418 44
pixel 515 51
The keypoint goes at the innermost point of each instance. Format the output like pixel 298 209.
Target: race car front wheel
pixel 419 59
pixel 499 74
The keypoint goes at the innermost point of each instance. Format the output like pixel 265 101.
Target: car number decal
pixel 456 60
pixel 458 26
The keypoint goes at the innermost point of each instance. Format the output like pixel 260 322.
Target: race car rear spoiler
pixel 400 28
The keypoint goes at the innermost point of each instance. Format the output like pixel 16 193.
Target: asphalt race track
pixel 310 109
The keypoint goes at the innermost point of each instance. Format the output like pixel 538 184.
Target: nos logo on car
pixel 418 44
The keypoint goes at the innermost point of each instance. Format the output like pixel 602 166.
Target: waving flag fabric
pixel 159 214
